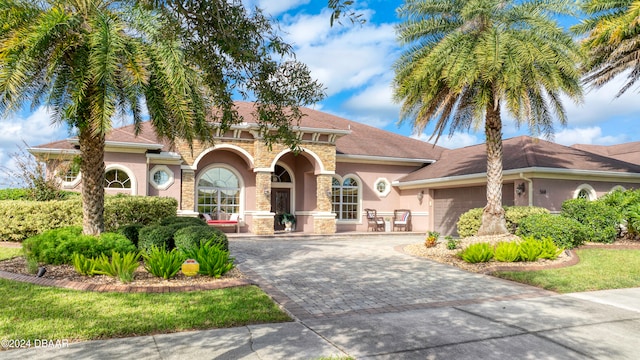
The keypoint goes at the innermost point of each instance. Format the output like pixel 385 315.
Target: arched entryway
pixel 282 199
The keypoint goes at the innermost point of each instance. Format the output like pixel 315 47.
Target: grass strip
pixel 598 269
pixel 39 312
pixel 9 252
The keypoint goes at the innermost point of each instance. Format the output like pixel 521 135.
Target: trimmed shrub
pixel 58 246
pixel 566 233
pixel 131 232
pixel 599 220
pixel 125 209
pixel 479 252
pixel 156 235
pixel 469 222
pixel 21 219
pixel 507 251
pixel 189 221
pixel 14 194
pixel 193 236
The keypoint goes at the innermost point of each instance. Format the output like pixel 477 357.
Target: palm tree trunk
pixel 92 168
pixel 493 221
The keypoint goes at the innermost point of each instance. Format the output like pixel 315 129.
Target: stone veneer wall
pixel 262 219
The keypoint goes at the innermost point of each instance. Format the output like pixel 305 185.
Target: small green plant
pixel 507 251
pixel 213 260
pixel 452 243
pixel 432 239
pixel 549 249
pixel 83 265
pixel 32 265
pixel 530 249
pixel 120 266
pixel 476 253
pixel 163 263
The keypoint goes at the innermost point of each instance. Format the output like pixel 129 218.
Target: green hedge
pixel 565 232
pixel 600 220
pixel 57 246
pixel 124 210
pixel 469 222
pixel 193 236
pixel 159 236
pixel 22 219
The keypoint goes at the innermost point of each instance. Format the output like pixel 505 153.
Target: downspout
pixel 148 182
pixel 529 188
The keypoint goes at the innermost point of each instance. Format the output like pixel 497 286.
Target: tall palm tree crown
pixel 89 60
pixel 468 60
pixel 612 41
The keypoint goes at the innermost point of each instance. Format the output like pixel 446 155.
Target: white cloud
pixel 274 7
pixel 374 102
pixel 588 135
pixel 36 129
pixel 342 58
pixel 458 140
pixel 601 105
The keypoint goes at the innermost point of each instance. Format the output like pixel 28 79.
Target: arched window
pixel 345 198
pixel 280 175
pixel 219 193
pixel 117 179
pixel 585 191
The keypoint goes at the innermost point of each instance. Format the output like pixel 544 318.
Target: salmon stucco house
pixel 344 168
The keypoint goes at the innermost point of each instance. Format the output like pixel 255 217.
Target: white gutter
pixel 372 158
pixel 53 151
pixel 123 144
pixel 541 170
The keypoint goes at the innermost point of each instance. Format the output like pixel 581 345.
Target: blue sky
pixel 354 63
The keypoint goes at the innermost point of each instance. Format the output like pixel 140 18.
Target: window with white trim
pixel 116 179
pixel 219 192
pixel 161 177
pixel 382 187
pixel 585 191
pixel 345 198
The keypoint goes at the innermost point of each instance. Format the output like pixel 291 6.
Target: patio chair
pixel 402 219
pixel 376 223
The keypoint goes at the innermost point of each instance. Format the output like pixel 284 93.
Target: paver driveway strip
pixel 362 275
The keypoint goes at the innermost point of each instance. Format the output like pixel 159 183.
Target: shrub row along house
pixel 343 168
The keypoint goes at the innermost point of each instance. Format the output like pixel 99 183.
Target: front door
pixel 280 204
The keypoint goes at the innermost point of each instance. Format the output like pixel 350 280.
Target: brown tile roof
pixel 519 153
pixel 629 152
pixel 363 140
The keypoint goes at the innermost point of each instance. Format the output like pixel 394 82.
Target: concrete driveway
pixel 371 301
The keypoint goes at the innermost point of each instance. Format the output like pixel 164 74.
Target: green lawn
pixel 598 269
pixel 39 312
pixel 8 253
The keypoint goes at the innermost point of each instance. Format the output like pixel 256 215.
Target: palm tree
pixel 612 41
pixel 89 60
pixel 468 60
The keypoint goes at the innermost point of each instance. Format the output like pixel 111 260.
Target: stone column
pixel 324 221
pixel 263 217
pixel 188 191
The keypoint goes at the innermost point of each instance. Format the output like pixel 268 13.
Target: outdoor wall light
pixel 543 191
pixel 328 193
pixel 520 189
pixel 420 195
pixel 267 191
